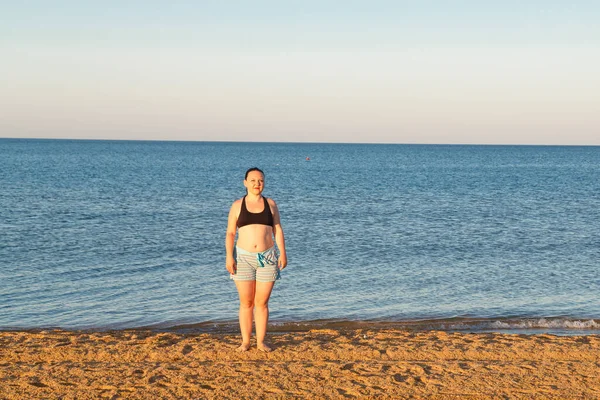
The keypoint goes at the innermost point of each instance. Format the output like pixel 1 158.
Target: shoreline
pixel 319 363
pixel 560 326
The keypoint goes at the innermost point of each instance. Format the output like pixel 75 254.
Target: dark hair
pixel 253 169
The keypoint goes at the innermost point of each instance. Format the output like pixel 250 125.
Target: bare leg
pixel 261 312
pixel 246 291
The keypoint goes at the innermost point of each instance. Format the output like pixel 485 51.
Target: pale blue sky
pixel 319 71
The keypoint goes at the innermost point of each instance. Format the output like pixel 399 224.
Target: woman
pixel 254 262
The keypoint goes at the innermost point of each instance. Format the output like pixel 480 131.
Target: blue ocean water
pixel 127 234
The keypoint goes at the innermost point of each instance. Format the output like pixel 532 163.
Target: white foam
pixel 541 323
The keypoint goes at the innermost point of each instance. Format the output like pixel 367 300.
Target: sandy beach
pixel 315 364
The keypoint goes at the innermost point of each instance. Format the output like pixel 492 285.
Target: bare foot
pixel 243 347
pixel 264 347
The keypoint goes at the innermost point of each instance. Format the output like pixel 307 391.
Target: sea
pixel 113 235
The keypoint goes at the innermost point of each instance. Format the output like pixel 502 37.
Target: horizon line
pixel 301 142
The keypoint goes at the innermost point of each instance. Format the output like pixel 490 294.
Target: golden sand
pixel 316 364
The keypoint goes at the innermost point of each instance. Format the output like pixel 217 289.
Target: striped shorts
pixel 261 266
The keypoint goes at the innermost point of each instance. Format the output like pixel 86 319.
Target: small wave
pixel 554 324
pixel 557 326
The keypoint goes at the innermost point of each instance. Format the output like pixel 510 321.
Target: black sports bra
pixel 265 217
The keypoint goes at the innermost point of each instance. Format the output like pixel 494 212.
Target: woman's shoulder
pixel 237 203
pixel 271 202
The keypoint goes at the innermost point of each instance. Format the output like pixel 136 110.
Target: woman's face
pixel 255 182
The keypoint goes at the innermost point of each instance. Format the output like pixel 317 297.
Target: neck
pixel 253 196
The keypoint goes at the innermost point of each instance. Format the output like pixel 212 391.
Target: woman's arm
pixel 278 233
pixel 230 236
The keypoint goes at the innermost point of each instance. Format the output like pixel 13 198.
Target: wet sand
pixel 316 364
